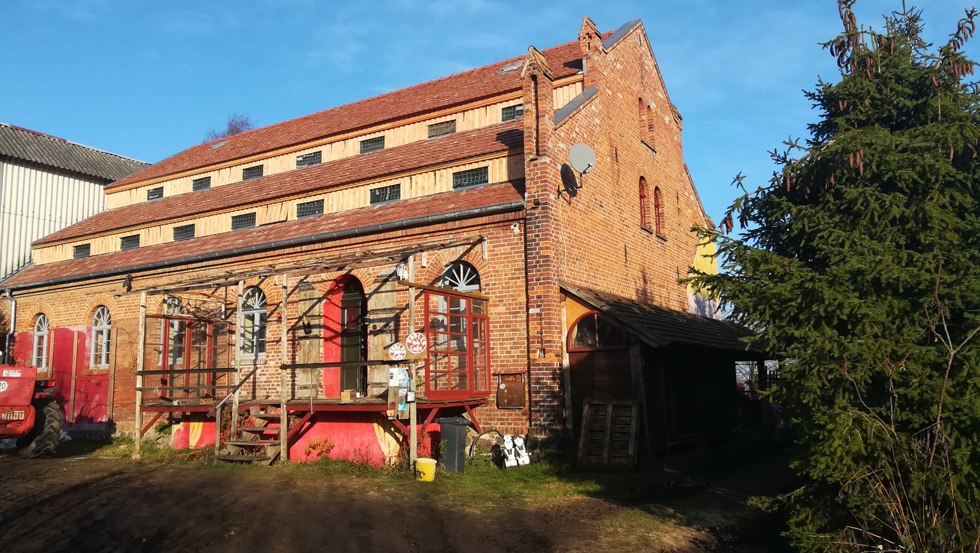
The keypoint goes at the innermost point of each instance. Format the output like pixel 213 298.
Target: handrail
pixel 220 404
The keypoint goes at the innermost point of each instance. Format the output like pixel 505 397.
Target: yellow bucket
pixel 425 469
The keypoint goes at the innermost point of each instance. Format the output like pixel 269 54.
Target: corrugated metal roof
pixel 658 326
pixel 35 147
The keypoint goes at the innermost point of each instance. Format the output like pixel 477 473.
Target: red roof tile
pixel 272 236
pixel 476 84
pixel 487 140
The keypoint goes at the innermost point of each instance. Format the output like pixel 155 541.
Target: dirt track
pixel 91 504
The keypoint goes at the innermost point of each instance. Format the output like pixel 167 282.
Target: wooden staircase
pixel 255 439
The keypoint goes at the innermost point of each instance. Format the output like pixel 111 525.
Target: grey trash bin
pixel 453 436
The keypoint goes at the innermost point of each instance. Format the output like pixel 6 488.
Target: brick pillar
pixel 542 174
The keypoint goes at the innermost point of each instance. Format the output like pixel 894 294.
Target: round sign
pixel 416 342
pixel 3 385
pixel 397 351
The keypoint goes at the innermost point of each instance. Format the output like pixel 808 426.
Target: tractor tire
pixel 44 437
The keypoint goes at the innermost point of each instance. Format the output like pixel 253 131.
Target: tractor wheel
pixel 43 439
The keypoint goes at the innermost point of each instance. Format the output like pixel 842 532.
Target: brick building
pixel 272 272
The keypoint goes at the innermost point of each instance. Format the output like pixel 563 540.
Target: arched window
pixel 101 328
pixel 650 124
pixel 658 211
pixel 595 331
pixel 644 220
pixel 176 331
pixel 253 323
pixel 39 358
pixel 641 115
pixel 461 276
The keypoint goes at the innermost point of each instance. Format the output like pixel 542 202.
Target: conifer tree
pixel 859 266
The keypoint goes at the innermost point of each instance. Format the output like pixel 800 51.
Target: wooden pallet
pixel 608 437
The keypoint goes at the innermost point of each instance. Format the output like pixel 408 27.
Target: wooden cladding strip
pixel 397 133
pixel 501 168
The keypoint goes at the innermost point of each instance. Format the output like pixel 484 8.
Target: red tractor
pixel 29 412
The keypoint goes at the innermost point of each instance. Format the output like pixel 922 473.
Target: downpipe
pixel 7 357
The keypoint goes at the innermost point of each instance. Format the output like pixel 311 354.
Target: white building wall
pixel 36 201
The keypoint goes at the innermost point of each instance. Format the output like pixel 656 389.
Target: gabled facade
pixel 282 273
pixel 46 184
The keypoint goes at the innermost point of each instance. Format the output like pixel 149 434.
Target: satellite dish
pixel 582 159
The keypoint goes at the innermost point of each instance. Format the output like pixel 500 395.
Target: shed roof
pixel 501 138
pixel 35 147
pixel 658 326
pixel 449 206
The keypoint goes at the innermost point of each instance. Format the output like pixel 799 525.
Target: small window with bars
pixel 154 193
pixel 386 194
pixel 183 232
pixel 203 183
pixel 82 250
pixel 253 172
pixel 442 129
pixel 245 220
pixel 129 242
pixel 372 144
pixel 309 160
pixel 471 177
pixel 309 209
pixel 511 113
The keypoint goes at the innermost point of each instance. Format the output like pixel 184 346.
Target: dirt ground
pixel 86 503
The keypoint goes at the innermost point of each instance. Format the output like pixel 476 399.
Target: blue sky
pixel 149 78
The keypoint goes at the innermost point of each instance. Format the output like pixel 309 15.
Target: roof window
pixel 373 144
pixel 510 113
pixel 245 220
pixel 309 209
pixel 130 242
pixel 309 160
pixel 386 194
pixel 183 232
pixel 252 172
pixel 154 194
pixel 203 183
pixel 471 177
pixel 82 250
pixel 442 129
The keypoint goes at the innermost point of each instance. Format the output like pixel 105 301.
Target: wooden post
pixel 239 324
pixel 70 415
pixel 413 416
pixel 140 355
pixel 640 391
pixel 283 384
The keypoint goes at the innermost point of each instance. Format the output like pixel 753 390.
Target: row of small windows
pixel 382 194
pixel 658 212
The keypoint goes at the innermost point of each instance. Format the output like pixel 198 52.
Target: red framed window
pixel 458 361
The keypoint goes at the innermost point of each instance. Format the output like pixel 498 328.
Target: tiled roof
pixel 476 84
pixel 32 146
pixel 658 326
pixel 487 140
pixel 472 202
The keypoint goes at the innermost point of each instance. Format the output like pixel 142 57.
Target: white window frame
pixel 461 276
pixel 101 332
pixel 252 336
pixel 39 352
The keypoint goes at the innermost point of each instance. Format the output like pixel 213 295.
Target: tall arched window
pixel 462 276
pixel 253 323
pixel 641 115
pixel 644 220
pixel 39 358
pixel 101 328
pixel 176 331
pixel 658 211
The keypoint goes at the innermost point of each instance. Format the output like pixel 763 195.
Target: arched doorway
pixel 599 362
pixel 345 337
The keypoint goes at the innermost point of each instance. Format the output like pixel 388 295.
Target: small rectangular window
pixel 183 232
pixel 442 129
pixel 471 177
pixel 309 209
pixel 154 193
pixel 203 183
pixel 309 160
pixel 82 250
pixel 129 242
pixel 511 113
pixel 386 194
pixel 372 144
pixel 253 172
pixel 245 220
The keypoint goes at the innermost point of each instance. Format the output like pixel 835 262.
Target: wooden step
pixel 269 416
pixel 243 458
pixel 259 429
pixel 250 443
